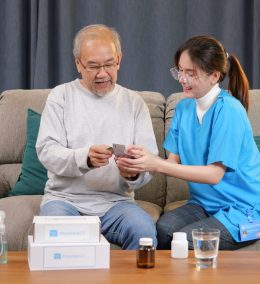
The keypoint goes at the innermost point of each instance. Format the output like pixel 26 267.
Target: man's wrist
pixel 89 163
pixel 132 178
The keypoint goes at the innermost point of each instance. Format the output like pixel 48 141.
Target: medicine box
pixel 62 229
pixel 61 256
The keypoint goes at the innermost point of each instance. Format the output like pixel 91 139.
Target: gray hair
pixel 95 31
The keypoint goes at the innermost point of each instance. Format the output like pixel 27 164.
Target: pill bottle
pixel 179 245
pixel 145 257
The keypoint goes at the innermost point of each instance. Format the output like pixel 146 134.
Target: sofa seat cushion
pixel 255 246
pixel 19 211
pixel 173 205
pixel 152 209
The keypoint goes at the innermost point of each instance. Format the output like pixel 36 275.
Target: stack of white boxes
pixel 67 242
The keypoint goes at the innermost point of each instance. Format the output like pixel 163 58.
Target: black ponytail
pixel 238 82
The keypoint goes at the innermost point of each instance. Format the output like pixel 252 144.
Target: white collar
pixel 205 102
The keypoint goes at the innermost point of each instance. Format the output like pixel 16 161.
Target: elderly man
pixel 81 120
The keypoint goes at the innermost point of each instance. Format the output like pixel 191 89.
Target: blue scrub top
pixel 225 135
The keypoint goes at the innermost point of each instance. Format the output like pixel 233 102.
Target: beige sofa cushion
pixel 19 212
pixel 13 112
pixel 154 191
pixel 254 110
pixel 176 189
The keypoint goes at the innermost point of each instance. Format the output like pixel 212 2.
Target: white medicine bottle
pixel 179 245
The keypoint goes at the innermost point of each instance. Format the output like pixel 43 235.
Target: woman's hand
pixel 142 160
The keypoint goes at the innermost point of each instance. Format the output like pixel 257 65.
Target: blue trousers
pixel 124 224
pixel 189 217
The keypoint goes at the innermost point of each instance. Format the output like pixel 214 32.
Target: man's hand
pixel 98 156
pixel 127 174
pixel 130 175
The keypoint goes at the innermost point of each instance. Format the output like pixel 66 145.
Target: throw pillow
pixel 33 174
pixel 257 141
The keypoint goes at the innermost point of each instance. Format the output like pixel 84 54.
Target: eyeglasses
pixel 177 75
pixel 96 68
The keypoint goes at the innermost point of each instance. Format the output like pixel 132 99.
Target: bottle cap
pixel 179 236
pixel 146 241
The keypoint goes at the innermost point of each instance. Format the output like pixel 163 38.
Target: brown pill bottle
pixel 145 255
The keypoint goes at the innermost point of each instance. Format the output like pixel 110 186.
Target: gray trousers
pixel 189 217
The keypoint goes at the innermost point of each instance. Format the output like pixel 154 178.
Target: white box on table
pixel 59 256
pixel 62 229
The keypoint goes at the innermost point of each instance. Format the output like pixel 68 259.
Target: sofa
pixel 160 195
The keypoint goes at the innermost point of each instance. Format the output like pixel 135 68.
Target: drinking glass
pixel 205 242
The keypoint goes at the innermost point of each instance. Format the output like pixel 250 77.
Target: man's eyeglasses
pixel 96 68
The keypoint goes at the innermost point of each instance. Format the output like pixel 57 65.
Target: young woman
pixel 211 145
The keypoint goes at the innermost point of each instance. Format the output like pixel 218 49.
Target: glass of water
pixel 205 242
